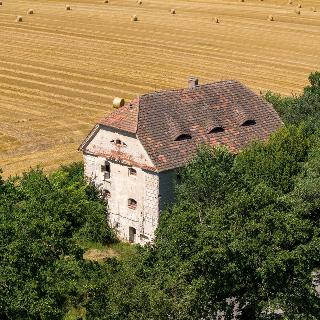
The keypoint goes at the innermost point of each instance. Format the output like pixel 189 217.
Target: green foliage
pixel 254 246
pixel 276 162
pixel 303 108
pixel 41 221
pixel 205 178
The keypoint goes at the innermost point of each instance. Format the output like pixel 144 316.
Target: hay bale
pixel 106 1
pixel 68 7
pixel 30 11
pixel 290 2
pixel 297 11
pixel 118 102
pixel 139 2
pixel 173 11
pixel 19 19
pixel 216 20
pixel 241 0
pixel 313 9
pixel 299 5
pixel 134 18
pixel 0 3
pixel 271 18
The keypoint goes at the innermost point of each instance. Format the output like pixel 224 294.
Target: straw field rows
pixel 60 69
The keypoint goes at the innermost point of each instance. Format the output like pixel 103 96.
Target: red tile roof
pixel 124 118
pixel 159 118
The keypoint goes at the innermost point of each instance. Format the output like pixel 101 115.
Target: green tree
pixel 300 108
pixel 41 221
pixel 251 245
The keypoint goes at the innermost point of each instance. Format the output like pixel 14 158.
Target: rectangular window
pixel 106 170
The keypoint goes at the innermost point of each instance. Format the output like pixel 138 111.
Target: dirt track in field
pixel 59 69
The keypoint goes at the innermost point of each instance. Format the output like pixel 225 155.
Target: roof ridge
pixel 188 89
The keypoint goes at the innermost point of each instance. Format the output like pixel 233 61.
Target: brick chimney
pixel 193 82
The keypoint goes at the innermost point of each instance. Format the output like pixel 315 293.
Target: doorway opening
pixel 132 234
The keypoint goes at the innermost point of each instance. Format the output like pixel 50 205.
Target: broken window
pixel 106 170
pixel 182 137
pixel 132 204
pixel 132 172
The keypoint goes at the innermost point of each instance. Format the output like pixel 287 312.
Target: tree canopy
pixel 42 220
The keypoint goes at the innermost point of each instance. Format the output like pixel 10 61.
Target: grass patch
pixel 75 314
pixel 96 251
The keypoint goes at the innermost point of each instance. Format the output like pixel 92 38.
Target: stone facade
pixel 135 195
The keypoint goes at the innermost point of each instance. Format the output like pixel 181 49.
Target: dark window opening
pixel 249 123
pixel 106 170
pixel 182 137
pixel 132 234
pixel 132 172
pixel 118 142
pixel 216 130
pixel 112 141
pixel 132 204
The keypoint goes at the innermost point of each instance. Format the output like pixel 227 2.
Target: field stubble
pixel 60 69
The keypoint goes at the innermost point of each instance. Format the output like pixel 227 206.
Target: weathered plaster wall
pixel 142 187
pixel 130 151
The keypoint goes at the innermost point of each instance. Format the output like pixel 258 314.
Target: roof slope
pixel 159 118
pixel 124 118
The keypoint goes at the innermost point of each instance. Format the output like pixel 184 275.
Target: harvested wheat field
pixel 60 69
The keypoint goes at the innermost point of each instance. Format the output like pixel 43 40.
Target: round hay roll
pixel 299 5
pixel 271 18
pixel 241 0
pixel 139 2
pixel 0 3
pixel 30 11
pixel 106 1
pixel 19 19
pixel 118 102
pixel 297 11
pixel 173 11
pixel 216 20
pixel 290 2
pixel 134 18
pixel 68 7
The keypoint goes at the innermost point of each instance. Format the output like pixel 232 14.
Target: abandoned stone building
pixel 132 154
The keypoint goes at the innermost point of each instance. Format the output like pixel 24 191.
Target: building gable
pixel 118 146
